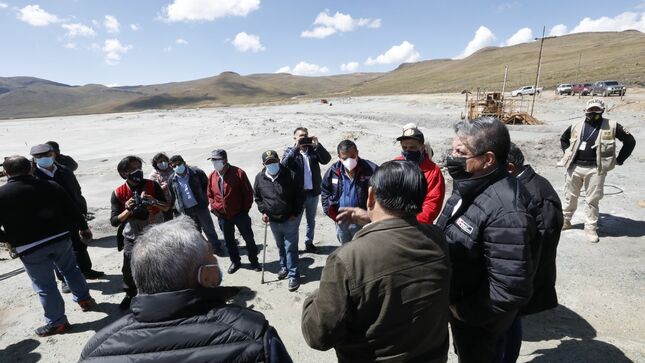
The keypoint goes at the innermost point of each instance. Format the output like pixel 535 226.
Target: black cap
pixel 40 149
pixel 218 154
pixel 411 133
pixel 269 154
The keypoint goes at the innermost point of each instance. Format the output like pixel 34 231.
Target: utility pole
pixel 505 74
pixel 537 75
pixel 578 75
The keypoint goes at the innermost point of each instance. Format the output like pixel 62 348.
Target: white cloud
pixel 70 45
pixel 114 50
pixel 207 10
pixel 349 67
pixel 168 49
pixel 326 24
pixel 402 53
pixel 34 15
pixel 483 38
pixel 78 30
pixel 3 5
pixel 111 24
pixel 181 41
pixel 304 69
pixel 523 35
pixel 135 27
pixel 507 6
pixel 244 42
pixel 558 30
pixel 625 21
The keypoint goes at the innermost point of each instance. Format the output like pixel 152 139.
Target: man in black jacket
pixel 36 218
pixel 544 294
pixel 490 225
pixel 64 160
pixel 304 158
pixel 46 168
pixel 181 314
pixel 279 197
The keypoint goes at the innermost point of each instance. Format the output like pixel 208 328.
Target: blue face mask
pixel 414 156
pixel 45 162
pixel 273 169
pixel 180 169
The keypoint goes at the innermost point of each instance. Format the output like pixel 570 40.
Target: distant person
pixel 64 160
pixel 491 227
pixel 304 158
pixel 544 295
pixel 384 296
pixel 181 314
pixel 345 185
pixel 414 150
pixel 189 185
pixel 231 196
pixel 161 173
pixel 134 206
pixel 36 218
pixel 589 153
pixel 45 168
pixel 280 198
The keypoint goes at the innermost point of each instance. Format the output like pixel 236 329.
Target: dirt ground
pixel 601 317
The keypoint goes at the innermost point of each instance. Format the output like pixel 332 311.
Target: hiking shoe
pixel 282 274
pixel 93 274
pixel 294 284
pixel 566 225
pixel 125 303
pixel 256 266
pixel 87 304
pixel 234 267
pixel 64 288
pixel 592 235
pixel 309 247
pixel 47 330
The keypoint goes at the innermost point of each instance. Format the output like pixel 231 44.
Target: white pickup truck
pixel 526 90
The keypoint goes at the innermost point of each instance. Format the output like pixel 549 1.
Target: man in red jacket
pixel 414 149
pixel 230 196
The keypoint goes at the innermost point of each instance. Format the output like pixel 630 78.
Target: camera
pixel 140 208
pixel 305 141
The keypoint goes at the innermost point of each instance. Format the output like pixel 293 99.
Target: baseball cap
pixel 268 155
pixel 411 131
pixel 595 103
pixel 218 154
pixel 40 149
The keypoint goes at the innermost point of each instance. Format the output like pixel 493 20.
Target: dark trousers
pixel 169 215
pixel 80 252
pixel 243 223
pixel 479 343
pixel 129 286
pixel 509 344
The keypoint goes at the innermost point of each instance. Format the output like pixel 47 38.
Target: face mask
pixel 414 156
pixel 180 169
pixel 136 177
pixel 207 280
pixel 273 169
pixel 350 163
pixel 594 116
pixel 218 165
pixel 456 166
pixel 162 165
pixel 45 162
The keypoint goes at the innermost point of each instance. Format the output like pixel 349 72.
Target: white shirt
pixel 47 172
pixel 309 184
pixel 187 196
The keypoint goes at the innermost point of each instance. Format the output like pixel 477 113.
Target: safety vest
pixel 605 146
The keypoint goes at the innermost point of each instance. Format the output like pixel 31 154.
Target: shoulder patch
pixel 464 226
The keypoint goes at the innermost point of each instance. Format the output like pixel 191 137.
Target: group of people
pixel 389 293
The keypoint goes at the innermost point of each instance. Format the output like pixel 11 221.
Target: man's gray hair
pixel 515 156
pixel 485 134
pixel 167 256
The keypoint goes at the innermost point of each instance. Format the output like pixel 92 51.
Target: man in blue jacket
pixel 345 185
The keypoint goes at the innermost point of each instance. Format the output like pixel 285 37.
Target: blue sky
pixel 144 42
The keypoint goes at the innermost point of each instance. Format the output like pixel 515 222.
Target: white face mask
pixel 350 163
pixel 218 165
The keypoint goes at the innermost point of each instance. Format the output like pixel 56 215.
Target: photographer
pixel 135 205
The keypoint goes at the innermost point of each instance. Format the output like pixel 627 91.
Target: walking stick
pixel 264 251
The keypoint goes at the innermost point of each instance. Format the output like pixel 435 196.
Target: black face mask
pixel 136 177
pixel 414 156
pixel 456 166
pixel 593 117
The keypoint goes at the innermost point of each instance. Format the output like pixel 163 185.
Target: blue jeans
pixel 40 266
pixel 243 223
pixel 346 232
pixel 202 218
pixel 311 206
pixel 286 238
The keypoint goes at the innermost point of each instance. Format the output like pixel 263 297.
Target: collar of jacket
pixel 180 304
pixel 425 165
pixel 390 223
pixel 527 174
pixel 470 188
pixel 20 178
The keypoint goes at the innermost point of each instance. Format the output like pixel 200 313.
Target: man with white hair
pixel 180 313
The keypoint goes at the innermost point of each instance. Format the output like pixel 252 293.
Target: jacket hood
pixel 179 304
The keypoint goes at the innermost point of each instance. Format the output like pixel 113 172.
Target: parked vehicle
pixel 608 88
pixel 565 88
pixel 526 90
pixel 582 89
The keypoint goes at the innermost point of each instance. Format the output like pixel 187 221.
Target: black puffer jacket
pixel 547 200
pixel 490 238
pixel 280 199
pixel 192 325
